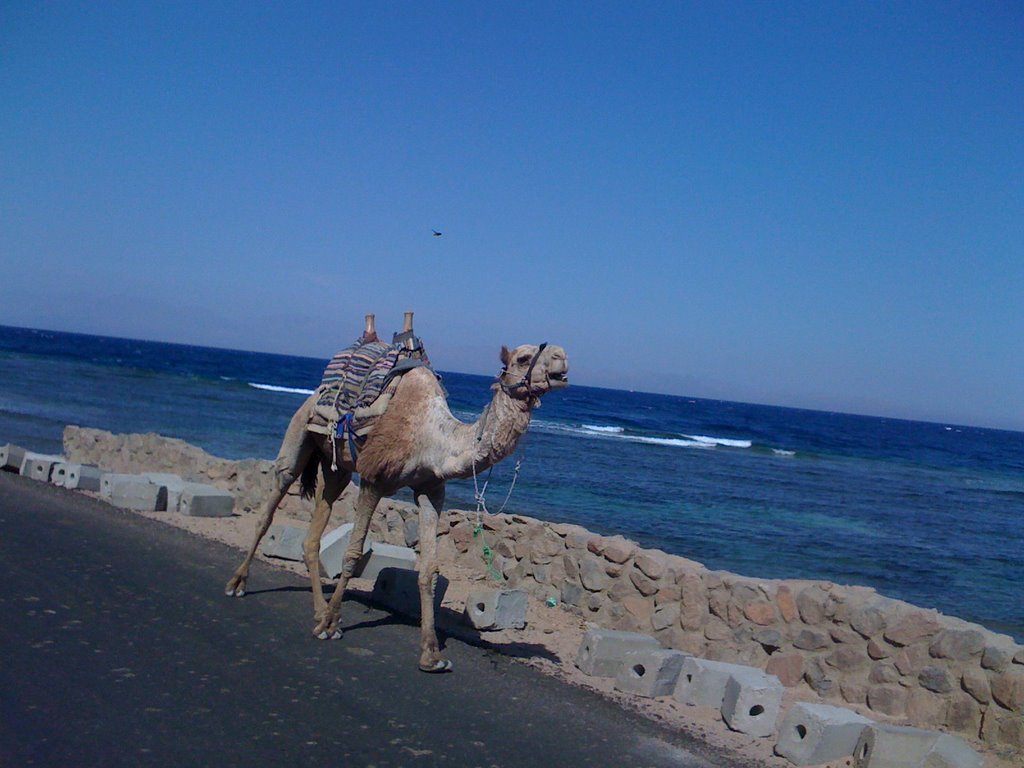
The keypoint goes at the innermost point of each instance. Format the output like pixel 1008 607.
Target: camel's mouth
pixel 558 380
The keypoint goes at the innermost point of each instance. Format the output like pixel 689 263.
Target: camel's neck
pixel 491 438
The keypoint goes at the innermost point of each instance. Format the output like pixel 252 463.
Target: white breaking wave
pixel 275 388
pixel 727 442
pixel 597 431
pixel 783 452
pixel 670 441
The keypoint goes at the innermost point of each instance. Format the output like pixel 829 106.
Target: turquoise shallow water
pixel 929 513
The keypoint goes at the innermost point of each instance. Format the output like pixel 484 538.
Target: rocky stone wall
pixel 848 644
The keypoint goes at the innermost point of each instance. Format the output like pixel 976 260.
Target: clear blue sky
pixel 808 204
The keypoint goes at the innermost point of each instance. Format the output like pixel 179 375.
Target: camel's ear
pixel 506 356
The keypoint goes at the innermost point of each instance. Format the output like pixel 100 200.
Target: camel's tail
pixel 307 481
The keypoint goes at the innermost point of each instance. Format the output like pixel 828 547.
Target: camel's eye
pixel 523 359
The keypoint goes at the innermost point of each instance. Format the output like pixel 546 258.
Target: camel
pixel 417 443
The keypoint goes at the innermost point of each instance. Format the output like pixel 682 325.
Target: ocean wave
pixel 672 442
pixel 724 441
pixel 782 452
pixel 599 432
pixel 275 388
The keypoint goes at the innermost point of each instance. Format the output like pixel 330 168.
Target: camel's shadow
pixel 272 590
pixel 449 623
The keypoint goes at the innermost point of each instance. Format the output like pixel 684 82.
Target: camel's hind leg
pixel 430 503
pixel 329 487
pixel 328 622
pixel 295 452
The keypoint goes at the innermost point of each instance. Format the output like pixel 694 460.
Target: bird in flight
pixel 436 233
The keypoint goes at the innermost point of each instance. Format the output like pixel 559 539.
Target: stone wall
pixel 848 644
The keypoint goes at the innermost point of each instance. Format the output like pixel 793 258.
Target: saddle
pixel 357 386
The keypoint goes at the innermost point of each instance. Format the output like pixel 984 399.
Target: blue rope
pixel 346 424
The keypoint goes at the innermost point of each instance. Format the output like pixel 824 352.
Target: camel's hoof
pixel 326 629
pixel 438 666
pixel 235 590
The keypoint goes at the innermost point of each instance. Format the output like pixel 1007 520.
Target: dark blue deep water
pixel 928 513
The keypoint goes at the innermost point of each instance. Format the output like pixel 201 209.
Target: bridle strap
pixel 527 378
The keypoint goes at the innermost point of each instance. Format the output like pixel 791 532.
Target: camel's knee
pixel 284 477
pixel 427 577
pixel 311 552
pixel 349 563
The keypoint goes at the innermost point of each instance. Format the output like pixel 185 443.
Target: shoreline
pixel 862 501
pixel 760 623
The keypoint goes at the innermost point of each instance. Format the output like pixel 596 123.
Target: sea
pixel 929 513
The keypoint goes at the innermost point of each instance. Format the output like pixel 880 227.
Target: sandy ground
pixel 553 629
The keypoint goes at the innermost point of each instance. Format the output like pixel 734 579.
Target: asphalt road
pixel 118 647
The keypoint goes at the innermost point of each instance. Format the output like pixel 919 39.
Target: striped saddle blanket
pixel 358 384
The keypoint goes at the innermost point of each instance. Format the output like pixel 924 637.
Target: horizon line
pixel 944 423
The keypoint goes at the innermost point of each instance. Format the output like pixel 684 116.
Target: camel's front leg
pixel 430 504
pixel 328 624
pixel 330 484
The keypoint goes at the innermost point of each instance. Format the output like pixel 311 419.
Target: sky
pixel 817 205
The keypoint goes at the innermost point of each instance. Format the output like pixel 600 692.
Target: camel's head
pixel 530 371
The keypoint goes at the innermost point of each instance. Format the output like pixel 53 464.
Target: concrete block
pixel 59 473
pixel 650 673
pixel 397 590
pixel 952 752
pixel 11 457
pixel 752 702
pixel 602 651
pixel 497 608
pixel 284 542
pixel 893 746
pixel 383 556
pixel 333 546
pixel 39 466
pixel 174 485
pixel 81 477
pixel 108 480
pixel 199 500
pixel 135 492
pixel 702 682
pixel 812 734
